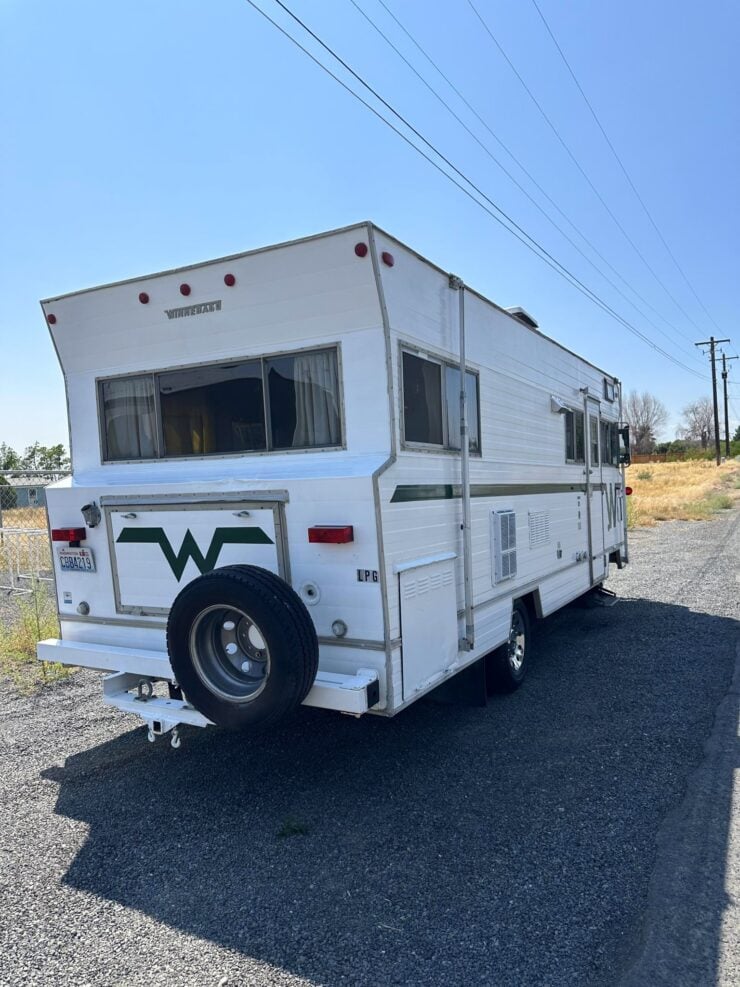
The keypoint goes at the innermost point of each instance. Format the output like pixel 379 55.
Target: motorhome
pixel 323 472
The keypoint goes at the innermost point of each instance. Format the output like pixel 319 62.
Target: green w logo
pixel 189 548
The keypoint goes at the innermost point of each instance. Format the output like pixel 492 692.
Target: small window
pixel 304 400
pixel 452 388
pixel 210 410
pixel 575 443
pixel 609 390
pixel 422 400
pixel 431 404
pixel 593 431
pixel 129 417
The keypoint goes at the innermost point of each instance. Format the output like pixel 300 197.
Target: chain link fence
pixel 25 553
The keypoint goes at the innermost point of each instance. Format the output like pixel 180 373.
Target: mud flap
pixel 468 688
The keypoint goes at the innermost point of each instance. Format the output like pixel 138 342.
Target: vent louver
pixel 503 531
pixel 539 528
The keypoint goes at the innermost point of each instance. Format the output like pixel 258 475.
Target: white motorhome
pixel 282 494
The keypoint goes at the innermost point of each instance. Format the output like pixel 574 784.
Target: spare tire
pixel 242 646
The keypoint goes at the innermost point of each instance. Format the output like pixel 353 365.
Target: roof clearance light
pixel 331 534
pixel 387 259
pixel 68 534
pixel 361 249
pixel 628 491
pixel 229 280
pixel 144 298
pixel 51 319
pixel 184 289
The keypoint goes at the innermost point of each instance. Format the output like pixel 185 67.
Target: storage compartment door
pixel 428 621
pixel 156 550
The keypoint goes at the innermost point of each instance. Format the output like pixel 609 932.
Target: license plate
pixel 76 560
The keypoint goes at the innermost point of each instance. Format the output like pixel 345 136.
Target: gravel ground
pixel 521 844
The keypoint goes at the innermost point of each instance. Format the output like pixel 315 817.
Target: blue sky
pixel 142 136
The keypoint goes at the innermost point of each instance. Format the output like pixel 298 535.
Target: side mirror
pixel 624 445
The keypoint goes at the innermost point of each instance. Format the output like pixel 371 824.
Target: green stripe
pixel 407 493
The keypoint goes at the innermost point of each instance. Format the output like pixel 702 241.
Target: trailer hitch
pixel 157 728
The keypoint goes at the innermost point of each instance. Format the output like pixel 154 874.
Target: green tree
pixel 9 458
pixel 736 436
pixel 38 457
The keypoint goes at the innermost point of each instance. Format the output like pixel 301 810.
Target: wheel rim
pixel 229 653
pixel 517 642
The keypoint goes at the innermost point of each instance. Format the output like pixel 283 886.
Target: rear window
pixel 213 410
pixel 283 402
pixel 129 418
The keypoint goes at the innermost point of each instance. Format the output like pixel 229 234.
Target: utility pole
pixel 712 344
pixel 727 417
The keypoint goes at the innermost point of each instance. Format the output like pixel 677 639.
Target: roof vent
pixel 524 317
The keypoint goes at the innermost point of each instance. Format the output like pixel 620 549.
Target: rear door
pixel 157 547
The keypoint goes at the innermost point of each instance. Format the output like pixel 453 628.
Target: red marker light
pixel 229 280
pixel 184 289
pixel 144 298
pixel 361 249
pixel 628 491
pixel 51 319
pixel 387 258
pixel 68 534
pixel 331 534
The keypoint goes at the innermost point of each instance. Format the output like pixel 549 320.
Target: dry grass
pixel 36 620
pixel 686 491
pixel 25 552
pixel 24 517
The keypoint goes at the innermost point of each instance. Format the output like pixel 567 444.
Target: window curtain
pixel 129 418
pixel 316 384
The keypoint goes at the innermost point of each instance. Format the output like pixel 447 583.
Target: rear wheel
pixel 242 646
pixel 508 664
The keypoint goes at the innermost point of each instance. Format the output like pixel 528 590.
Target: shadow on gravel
pixel 506 845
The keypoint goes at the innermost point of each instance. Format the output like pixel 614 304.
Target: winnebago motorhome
pixel 322 472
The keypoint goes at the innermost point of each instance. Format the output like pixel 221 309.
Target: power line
pixel 511 177
pixel 514 229
pixel 622 166
pixel 575 161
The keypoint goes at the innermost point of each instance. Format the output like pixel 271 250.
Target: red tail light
pixel 332 534
pixel 68 534
pixel 628 491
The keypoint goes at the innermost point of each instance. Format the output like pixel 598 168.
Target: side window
pixel 575 439
pixel 452 395
pixel 593 431
pixel 129 422
pixel 431 403
pixel 605 437
pixel 614 435
pixel 422 400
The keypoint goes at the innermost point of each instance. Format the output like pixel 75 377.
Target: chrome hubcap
pixel 517 642
pixel 229 653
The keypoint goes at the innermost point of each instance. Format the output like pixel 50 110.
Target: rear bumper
pixel 354 694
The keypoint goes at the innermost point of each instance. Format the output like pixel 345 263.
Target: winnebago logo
pixel 189 548
pixel 614 513
pixel 180 313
